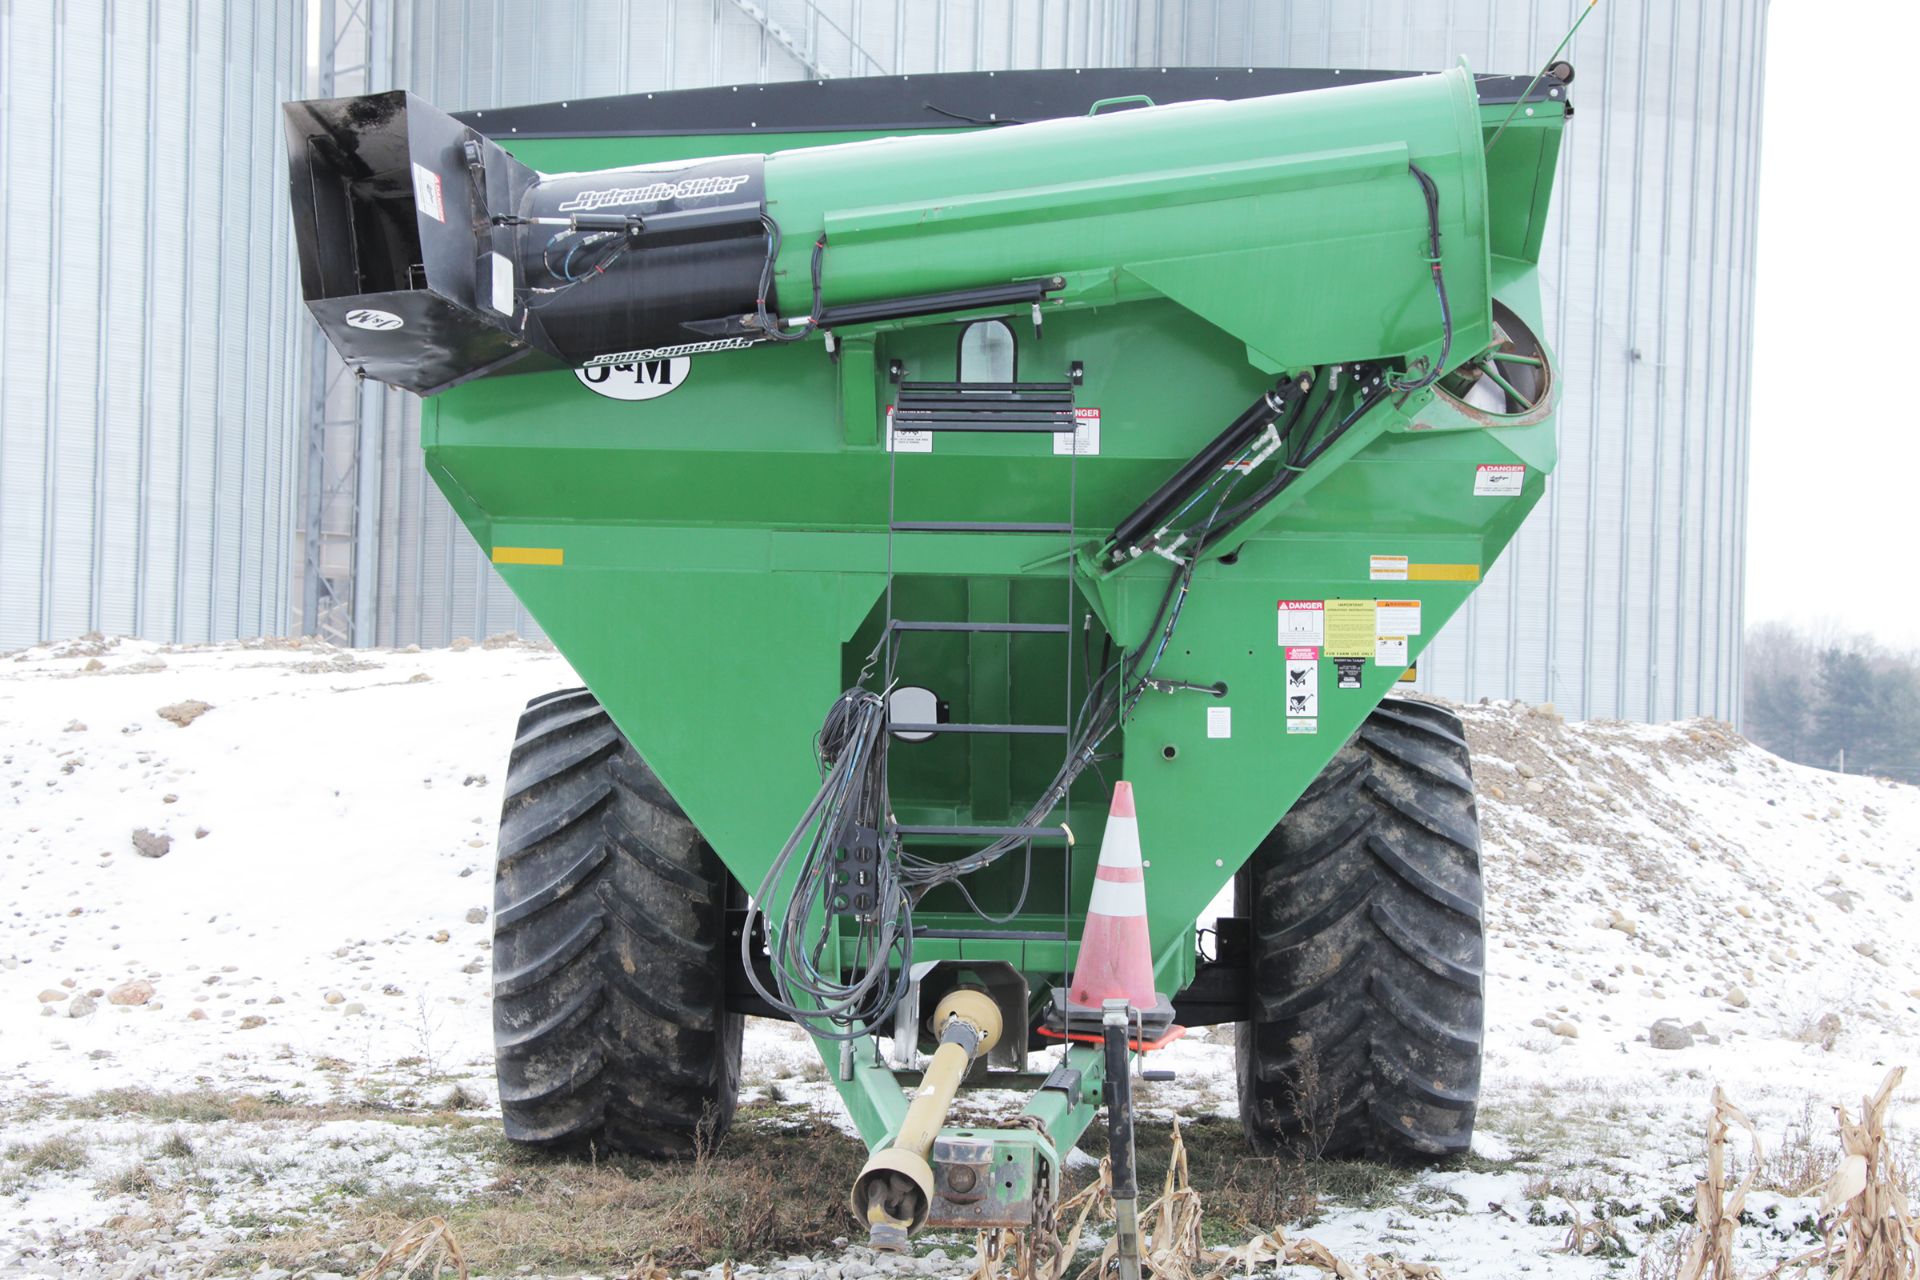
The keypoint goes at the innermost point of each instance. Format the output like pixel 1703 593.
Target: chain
pixel 1038 1249
pixel 1043 1237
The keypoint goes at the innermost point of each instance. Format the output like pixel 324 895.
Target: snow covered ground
pixel 227 1042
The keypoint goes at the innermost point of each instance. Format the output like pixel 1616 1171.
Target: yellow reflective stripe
pixel 529 555
pixel 1443 573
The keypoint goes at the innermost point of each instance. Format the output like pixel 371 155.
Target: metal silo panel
pixel 26 194
pixel 290 338
pixel 1621 596
pixel 76 254
pixel 165 340
pixel 199 372
pixel 141 438
pixel 131 82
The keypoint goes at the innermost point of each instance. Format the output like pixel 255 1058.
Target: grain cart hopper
pixel 903 464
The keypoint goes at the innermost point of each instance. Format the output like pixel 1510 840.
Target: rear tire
pixel 610 1024
pixel 1364 1027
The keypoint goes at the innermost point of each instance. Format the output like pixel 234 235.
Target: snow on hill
pixel 316 926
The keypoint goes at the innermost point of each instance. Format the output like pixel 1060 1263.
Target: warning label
pixel 1347 672
pixel 1390 651
pixel 907 441
pixel 1219 722
pixel 1498 479
pixel 426 193
pixel 1387 568
pixel 1350 629
pixel 1303 622
pixel 1085 439
pixel 1303 682
pixel 502 282
pixel 1396 617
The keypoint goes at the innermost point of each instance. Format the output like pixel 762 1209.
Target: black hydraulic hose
pixel 1432 194
pixel 851 799
pixel 1276 486
pixel 771 325
pixel 1148 515
pixel 1321 401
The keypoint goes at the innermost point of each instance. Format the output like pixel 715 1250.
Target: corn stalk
pixel 1709 1254
pixel 1171 1246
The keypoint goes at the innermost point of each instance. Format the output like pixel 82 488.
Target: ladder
pixel 941 409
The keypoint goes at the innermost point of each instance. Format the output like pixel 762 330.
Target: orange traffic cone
pixel 1116 956
pixel 1116 952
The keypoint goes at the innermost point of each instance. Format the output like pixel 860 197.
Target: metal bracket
pixel 934 979
pixel 1063 1079
pixel 989 1178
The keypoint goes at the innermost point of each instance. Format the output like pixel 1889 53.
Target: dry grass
pixel 1172 1239
pixel 177 1146
pixel 134 1180
pixel 1824 1031
pixel 1565 1182
pixel 1250 1192
pixel 60 1153
pixel 429 1244
pixel 1803 1162
pixel 1598 1236
pixel 210 1106
pixel 776 1185
pixel 1661 1258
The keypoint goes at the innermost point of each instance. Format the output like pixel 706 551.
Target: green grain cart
pixel 905 462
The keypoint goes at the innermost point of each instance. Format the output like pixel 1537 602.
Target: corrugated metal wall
pixel 147 318
pixel 152 351
pixel 1622 596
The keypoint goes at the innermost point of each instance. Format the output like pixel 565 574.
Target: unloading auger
pixel 917 470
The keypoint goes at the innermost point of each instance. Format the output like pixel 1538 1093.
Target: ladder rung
pixel 993 402
pixel 991 833
pixel 984 408
pixel 979 728
pixel 1036 407
pixel 974 526
pixel 970 388
pixel 1053 425
pixel 1011 628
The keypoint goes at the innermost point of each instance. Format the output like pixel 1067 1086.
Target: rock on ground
pixel 184 713
pixel 1667 1033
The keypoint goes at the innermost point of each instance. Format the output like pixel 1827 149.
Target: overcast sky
pixel 1834 502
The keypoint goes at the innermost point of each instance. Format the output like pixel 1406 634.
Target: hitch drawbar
pixel 894 1192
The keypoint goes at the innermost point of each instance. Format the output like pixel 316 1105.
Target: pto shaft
pixel 895 1190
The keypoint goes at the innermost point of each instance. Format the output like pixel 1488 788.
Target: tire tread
pixel 1368 966
pixel 610 1019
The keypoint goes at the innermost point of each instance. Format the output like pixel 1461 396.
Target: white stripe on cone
pixel 1112 898
pixel 1116 955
